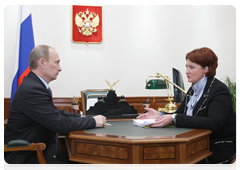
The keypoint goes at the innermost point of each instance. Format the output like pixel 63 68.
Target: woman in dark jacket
pixel 207 105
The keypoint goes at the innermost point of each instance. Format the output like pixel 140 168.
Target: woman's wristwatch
pixel 174 118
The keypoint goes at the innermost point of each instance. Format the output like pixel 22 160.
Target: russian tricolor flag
pixel 24 46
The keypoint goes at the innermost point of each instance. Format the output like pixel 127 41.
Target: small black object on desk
pixel 111 107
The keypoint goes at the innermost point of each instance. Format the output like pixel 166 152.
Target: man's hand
pixel 151 114
pixel 100 120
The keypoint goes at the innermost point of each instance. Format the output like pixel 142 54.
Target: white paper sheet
pixel 143 122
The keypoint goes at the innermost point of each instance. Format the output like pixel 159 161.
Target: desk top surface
pixel 126 128
pixel 126 132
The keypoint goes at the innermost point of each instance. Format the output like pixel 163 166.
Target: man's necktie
pixel 50 91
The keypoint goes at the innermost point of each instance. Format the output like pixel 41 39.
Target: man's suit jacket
pixel 213 111
pixel 33 117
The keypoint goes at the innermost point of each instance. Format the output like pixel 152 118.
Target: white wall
pixel 138 41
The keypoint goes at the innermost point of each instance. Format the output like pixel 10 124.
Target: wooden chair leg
pixel 41 159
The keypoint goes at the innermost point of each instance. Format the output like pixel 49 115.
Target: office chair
pixel 91 94
pixel 234 163
pixel 23 145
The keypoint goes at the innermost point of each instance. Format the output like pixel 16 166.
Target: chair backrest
pixel 89 97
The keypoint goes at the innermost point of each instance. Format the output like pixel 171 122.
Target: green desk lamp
pixel 154 84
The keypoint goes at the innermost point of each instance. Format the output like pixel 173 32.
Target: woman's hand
pixel 151 114
pixel 162 121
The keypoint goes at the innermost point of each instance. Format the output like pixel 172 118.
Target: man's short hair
pixel 41 51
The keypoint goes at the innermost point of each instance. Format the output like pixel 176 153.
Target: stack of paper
pixel 143 122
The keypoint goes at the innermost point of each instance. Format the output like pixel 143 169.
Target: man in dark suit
pixel 32 114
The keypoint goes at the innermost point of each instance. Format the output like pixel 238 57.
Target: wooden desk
pixel 123 143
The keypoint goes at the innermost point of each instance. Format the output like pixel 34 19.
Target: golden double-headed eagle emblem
pixel 111 86
pixel 87 22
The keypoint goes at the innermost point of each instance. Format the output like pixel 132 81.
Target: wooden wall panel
pixel 65 103
pixel 6 107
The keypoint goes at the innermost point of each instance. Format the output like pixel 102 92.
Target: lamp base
pixel 165 110
pixel 169 108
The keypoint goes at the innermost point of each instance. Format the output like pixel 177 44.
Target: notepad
pixel 143 122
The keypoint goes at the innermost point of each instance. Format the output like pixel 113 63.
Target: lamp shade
pixel 156 84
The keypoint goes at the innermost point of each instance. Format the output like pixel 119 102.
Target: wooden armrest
pixel 23 145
